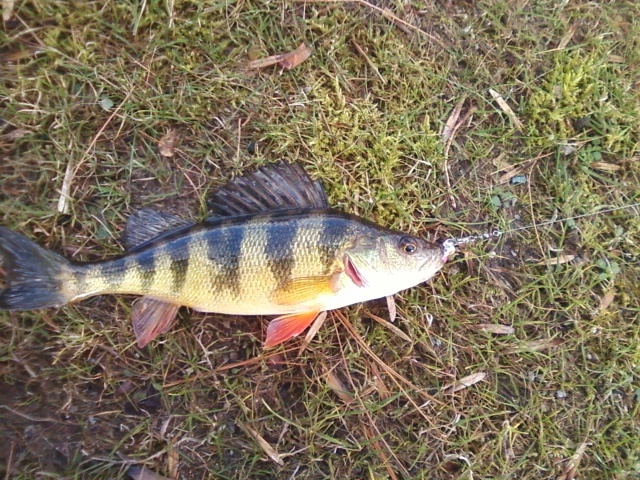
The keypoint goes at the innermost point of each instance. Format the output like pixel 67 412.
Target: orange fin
pixel 152 317
pixel 285 327
pixel 304 289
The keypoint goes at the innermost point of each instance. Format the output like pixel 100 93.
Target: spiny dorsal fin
pixel 147 224
pixel 280 186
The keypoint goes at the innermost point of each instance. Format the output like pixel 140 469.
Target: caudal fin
pixel 34 276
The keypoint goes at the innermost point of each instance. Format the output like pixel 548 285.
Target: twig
pixel 7 475
pixel 268 449
pixel 448 133
pixel 502 103
pixel 395 376
pixel 33 419
pixel 369 61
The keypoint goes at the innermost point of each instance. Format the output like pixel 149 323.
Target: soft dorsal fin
pixel 147 224
pixel 279 186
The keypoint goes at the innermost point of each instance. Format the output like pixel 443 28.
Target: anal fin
pixel 285 327
pixel 151 317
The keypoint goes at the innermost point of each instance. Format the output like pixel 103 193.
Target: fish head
pixel 390 262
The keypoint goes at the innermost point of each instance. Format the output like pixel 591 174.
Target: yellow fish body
pixel 294 261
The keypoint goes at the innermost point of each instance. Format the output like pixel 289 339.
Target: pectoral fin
pixel 304 289
pixel 285 327
pixel 151 317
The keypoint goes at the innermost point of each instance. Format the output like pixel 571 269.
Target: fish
pixel 271 246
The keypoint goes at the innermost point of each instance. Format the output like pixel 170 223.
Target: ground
pixel 520 359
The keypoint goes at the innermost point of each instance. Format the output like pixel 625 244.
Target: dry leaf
pixel 567 37
pixel 137 472
pixel 616 59
pixel 381 388
pixel 7 9
pixel 506 108
pixel 605 167
pixel 569 473
pixel 500 163
pixel 14 135
pixel 465 382
pixel 17 55
pixel 65 190
pixel 559 260
pixel 167 144
pixel 391 305
pixel 535 345
pixel 449 127
pixel 285 60
pixel 173 461
pixel 337 387
pixel 607 298
pixel 390 326
pixel 268 449
pixel 295 58
pixel 264 62
pixel 510 174
pixel 494 328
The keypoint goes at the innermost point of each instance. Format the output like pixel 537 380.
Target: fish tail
pixel 35 277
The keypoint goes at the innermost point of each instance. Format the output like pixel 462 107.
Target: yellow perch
pixel 274 249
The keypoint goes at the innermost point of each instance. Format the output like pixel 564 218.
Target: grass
pixel 96 85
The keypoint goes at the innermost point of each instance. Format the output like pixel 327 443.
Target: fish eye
pixel 408 245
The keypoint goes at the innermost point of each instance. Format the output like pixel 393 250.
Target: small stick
pixel 506 109
pixel 10 462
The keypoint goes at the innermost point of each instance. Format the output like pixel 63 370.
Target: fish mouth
pixel 433 260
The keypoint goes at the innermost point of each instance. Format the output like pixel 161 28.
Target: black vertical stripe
pixel 113 272
pixel 179 263
pixel 224 247
pixel 146 263
pixel 279 249
pixel 334 232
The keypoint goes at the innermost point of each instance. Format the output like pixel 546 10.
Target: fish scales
pixel 179 264
pixel 224 250
pixel 293 262
pixel 229 267
pixel 279 250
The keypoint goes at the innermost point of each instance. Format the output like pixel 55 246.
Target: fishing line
pixel 452 244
